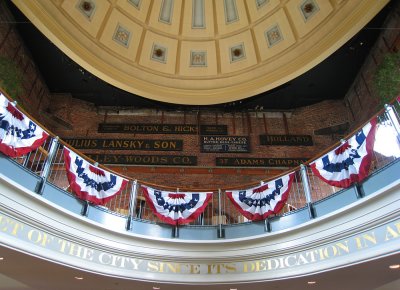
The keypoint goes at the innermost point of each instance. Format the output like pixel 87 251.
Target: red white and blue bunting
pixel 90 182
pixel 19 135
pixel 176 208
pixel 260 202
pixel 349 162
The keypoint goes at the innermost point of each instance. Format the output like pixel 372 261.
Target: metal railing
pixel 48 163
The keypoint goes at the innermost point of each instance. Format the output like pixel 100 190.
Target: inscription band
pixel 125 144
pixel 139 128
pixel 260 162
pixel 378 238
pixel 174 160
pixel 287 140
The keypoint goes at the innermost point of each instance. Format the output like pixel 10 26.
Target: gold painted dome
pixel 199 52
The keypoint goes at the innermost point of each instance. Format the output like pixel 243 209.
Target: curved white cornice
pixel 365 230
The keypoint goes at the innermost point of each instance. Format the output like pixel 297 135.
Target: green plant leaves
pixel 11 78
pixel 387 78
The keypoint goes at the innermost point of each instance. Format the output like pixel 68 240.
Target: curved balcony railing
pixel 304 203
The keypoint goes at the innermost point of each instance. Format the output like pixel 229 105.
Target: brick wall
pixel 35 97
pixel 79 119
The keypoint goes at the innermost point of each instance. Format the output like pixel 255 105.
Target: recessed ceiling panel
pixel 274 35
pixel 237 52
pixel 308 14
pixel 198 59
pixel 166 16
pixel 87 14
pixel 159 53
pixel 259 9
pixel 122 36
pixel 231 16
pixel 137 9
pixel 198 19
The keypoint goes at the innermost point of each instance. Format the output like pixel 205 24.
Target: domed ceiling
pixel 199 52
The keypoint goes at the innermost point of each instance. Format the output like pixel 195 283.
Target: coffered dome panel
pixel 261 8
pixel 137 9
pixel 198 19
pixel 231 16
pixel 89 15
pixel 274 35
pixel 165 16
pixel 237 52
pixel 198 59
pixel 308 14
pixel 122 35
pixel 159 53
pixel 199 51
